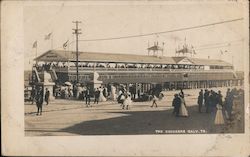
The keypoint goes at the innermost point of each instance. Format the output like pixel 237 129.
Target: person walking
pixel 176 104
pixel 39 101
pixel 154 101
pixel 46 97
pixel 200 100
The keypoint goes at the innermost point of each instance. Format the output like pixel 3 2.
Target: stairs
pixel 39 76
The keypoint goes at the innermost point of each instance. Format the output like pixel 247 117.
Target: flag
pixel 47 37
pixel 65 44
pixel 34 44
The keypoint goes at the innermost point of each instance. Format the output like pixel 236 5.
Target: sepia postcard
pixel 125 78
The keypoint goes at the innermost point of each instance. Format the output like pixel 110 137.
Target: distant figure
pixel 200 100
pixel 220 97
pixel 33 94
pixel 39 101
pixel 139 93
pixel 161 95
pixel 206 95
pixel 154 101
pixel 120 98
pixel 46 97
pixel 127 102
pixel 181 94
pixel 105 92
pixel 97 95
pixel 87 97
pixel 219 116
pixel 176 103
pixel 113 93
pixel 213 101
pixel 183 110
pixel 229 104
pixel 102 97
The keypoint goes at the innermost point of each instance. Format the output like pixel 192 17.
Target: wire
pixel 163 32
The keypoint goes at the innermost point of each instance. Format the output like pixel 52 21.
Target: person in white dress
pixel 183 111
pixel 79 90
pixel 219 119
pixel 127 102
pixel 101 97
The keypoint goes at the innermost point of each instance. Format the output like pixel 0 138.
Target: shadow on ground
pixel 146 122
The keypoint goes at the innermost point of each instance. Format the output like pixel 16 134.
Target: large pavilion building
pixel 147 71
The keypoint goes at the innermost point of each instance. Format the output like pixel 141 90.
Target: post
pixel 76 32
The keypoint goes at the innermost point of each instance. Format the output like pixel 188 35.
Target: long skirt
pixel 219 117
pixel 102 98
pixel 183 111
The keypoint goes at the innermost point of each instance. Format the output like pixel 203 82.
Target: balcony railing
pixel 102 69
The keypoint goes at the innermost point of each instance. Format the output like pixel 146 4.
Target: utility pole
pixel 76 31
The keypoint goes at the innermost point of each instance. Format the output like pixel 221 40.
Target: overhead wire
pixel 163 32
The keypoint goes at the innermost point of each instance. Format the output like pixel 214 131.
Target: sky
pixel 107 21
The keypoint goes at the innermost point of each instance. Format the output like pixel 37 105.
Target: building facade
pixel 140 70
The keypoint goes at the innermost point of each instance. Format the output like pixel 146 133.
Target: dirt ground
pixel 72 117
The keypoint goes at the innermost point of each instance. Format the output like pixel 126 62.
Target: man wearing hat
pixel 176 104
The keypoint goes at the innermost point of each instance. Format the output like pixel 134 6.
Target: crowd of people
pixel 215 103
pixel 208 101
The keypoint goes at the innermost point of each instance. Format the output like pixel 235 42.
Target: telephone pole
pixel 76 31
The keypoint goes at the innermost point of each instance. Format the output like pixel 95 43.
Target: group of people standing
pixel 100 95
pixel 213 102
pixel 124 98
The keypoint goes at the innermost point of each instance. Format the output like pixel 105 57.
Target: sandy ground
pixel 72 117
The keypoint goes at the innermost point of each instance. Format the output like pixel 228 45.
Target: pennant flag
pixel 47 37
pixel 35 44
pixel 65 44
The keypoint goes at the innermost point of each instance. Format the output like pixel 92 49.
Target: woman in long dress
pixel 183 111
pixel 101 97
pixel 219 116
pixel 127 102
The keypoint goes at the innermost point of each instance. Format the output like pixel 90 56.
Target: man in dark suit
pixel 200 100
pixel 177 104
pixel 97 95
pixel 206 100
pixel 87 97
pixel 46 97
pixel 39 100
